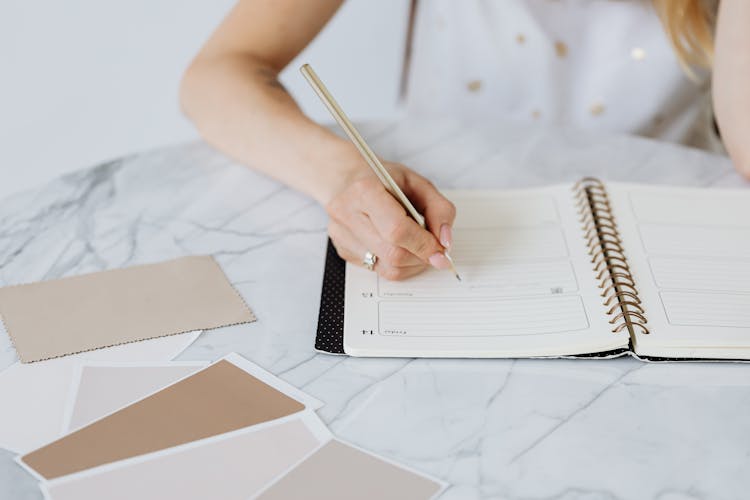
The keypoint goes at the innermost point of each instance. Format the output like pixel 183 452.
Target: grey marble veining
pixel 510 429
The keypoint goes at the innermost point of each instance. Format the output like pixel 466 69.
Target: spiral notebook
pixel 584 270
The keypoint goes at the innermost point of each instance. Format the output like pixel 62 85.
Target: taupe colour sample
pixel 339 472
pixel 232 468
pixel 218 399
pixel 80 313
pixel 104 389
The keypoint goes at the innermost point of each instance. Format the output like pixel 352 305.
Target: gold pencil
pixel 372 160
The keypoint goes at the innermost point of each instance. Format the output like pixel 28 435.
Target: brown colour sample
pixel 338 471
pixel 218 399
pixel 80 313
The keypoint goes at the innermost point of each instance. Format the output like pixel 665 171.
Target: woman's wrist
pixel 335 166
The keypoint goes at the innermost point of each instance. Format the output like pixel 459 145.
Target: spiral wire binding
pixel 608 258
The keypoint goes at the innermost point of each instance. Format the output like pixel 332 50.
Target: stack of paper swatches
pixel 227 430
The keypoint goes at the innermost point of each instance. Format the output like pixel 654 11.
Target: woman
pixel 595 63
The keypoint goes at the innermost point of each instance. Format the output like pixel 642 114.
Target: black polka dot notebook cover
pixel 330 336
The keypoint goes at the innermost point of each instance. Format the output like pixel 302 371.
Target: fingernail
pixel 439 261
pixel 446 236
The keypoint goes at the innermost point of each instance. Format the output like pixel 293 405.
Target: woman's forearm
pixel 239 106
pixel 731 80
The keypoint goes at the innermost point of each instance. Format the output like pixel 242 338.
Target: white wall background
pixel 83 81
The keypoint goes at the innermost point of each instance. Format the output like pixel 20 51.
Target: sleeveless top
pixel 596 64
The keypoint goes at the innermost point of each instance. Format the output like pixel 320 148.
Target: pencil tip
pixel 453 267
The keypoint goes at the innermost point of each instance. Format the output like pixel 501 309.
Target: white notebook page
pixel 528 287
pixel 689 250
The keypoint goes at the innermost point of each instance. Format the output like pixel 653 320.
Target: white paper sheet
pixel 527 288
pixel 34 395
pixel 689 252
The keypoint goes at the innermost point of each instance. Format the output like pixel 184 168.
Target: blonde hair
pixel 689 25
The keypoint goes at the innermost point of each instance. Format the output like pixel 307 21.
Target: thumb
pixel 438 211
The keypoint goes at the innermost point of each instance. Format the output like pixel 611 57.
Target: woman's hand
pixel 365 217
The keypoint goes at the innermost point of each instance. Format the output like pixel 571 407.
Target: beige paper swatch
pixel 104 389
pixel 80 313
pixel 234 467
pixel 215 400
pixel 338 471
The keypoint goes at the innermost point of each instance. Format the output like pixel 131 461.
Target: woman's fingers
pixel 438 211
pixel 393 255
pixel 398 229
pixel 366 217
pixel 391 265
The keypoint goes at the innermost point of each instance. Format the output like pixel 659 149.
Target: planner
pixel 590 269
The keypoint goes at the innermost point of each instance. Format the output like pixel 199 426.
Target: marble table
pixel 511 429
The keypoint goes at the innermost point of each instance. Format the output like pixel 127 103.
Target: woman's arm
pixel 232 93
pixel 731 80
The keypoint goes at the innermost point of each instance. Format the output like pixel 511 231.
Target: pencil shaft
pixel 370 157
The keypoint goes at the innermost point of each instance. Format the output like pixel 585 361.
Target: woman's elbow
pixel 739 153
pixel 743 166
pixel 735 134
pixel 189 90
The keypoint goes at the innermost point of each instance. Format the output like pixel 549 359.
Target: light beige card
pixel 338 471
pixel 80 313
